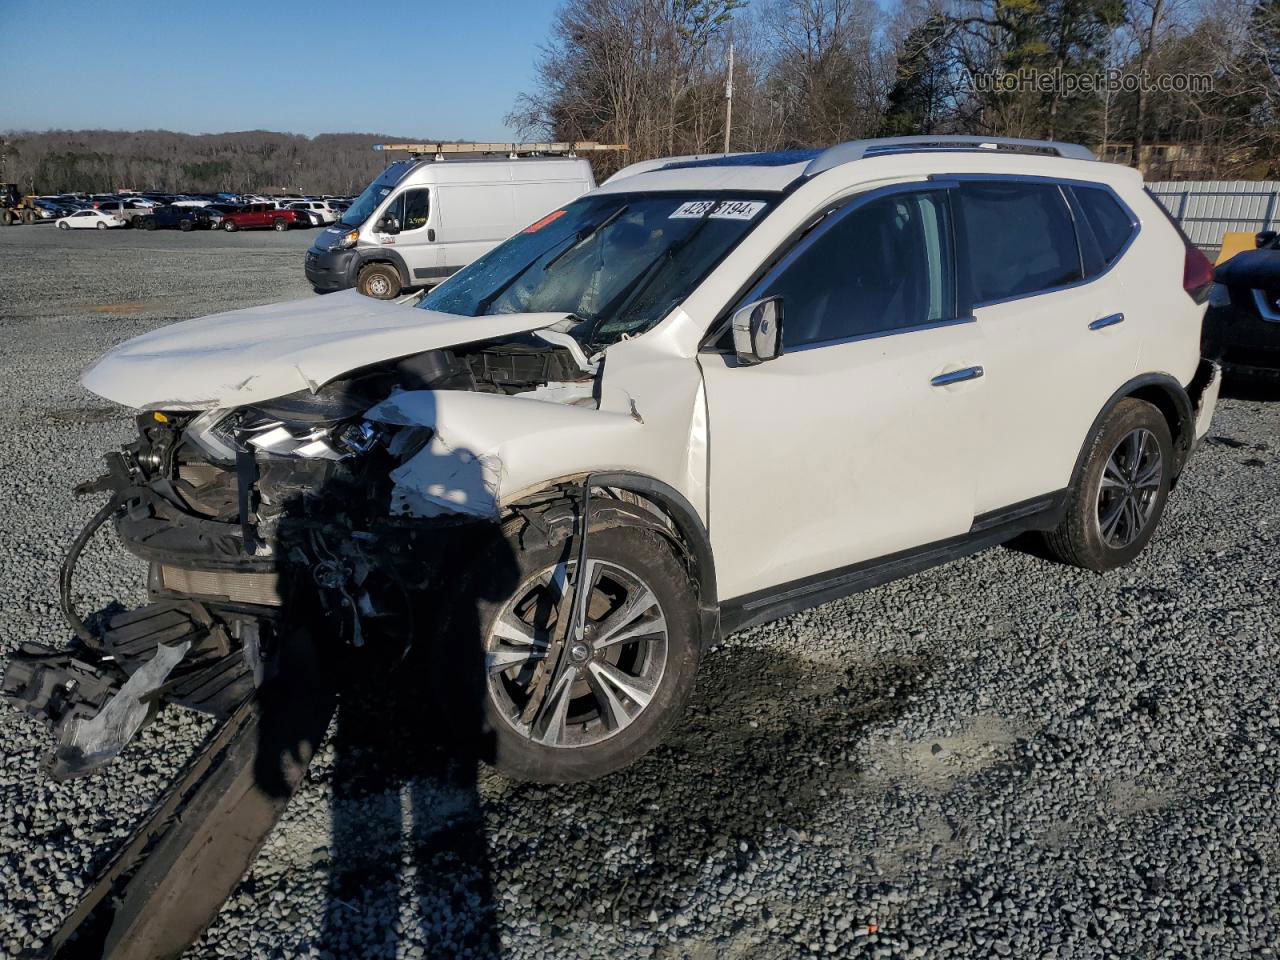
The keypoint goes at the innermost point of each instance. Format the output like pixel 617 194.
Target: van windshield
pixel 617 262
pixel 366 203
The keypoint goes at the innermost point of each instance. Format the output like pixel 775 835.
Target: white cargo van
pixel 424 219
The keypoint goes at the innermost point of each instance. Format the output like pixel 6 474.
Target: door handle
pixel 431 234
pixel 957 376
pixel 1108 321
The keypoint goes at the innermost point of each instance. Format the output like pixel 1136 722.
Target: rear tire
pixel 281 225
pixel 1114 506
pixel 229 226
pixel 381 281
pixel 101 226
pixel 603 726
pixel 185 226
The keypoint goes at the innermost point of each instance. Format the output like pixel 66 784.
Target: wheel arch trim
pixel 380 256
pixel 682 515
pixel 1165 388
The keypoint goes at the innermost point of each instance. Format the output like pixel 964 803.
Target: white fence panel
pixel 1208 208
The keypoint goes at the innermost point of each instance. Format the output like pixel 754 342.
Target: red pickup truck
pixel 253 215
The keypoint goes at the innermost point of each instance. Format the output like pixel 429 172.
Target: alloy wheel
pixel 559 690
pixel 1130 488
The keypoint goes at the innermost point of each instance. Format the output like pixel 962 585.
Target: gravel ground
pixel 999 757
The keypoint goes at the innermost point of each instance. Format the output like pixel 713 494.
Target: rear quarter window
pixel 1111 223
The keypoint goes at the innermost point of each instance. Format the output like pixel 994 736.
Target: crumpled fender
pixel 488 450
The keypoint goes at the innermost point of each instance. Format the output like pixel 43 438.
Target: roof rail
pixel 440 150
pixel 859 149
pixel 657 163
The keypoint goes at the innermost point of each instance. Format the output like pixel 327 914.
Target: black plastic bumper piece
pixel 332 270
pixel 57 686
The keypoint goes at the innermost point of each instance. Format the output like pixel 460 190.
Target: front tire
pixel 149 223
pixel 554 708
pixel 1117 501
pixel 281 225
pixel 101 225
pixel 381 281
pixel 185 226
pixel 229 226
pixel 63 225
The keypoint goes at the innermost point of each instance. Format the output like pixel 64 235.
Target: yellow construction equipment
pixel 16 208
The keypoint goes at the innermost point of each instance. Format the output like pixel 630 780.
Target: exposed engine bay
pixel 243 512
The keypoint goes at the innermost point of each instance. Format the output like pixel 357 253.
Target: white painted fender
pixel 488 449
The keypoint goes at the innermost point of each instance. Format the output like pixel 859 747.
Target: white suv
pixel 765 381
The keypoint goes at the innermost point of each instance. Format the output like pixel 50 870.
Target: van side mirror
pixel 388 225
pixel 1263 238
pixel 757 331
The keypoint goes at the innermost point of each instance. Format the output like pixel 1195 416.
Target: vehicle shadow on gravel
pixel 407 858
pixel 769 740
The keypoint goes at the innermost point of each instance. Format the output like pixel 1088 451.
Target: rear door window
pixel 1015 239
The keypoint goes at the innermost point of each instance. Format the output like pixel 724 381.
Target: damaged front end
pixel 264 520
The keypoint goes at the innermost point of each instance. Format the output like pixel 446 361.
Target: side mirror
pixel 1263 238
pixel 388 225
pixel 757 331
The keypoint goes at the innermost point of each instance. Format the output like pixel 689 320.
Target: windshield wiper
pixel 583 236
pixel 485 302
pixel 631 292
pixel 578 238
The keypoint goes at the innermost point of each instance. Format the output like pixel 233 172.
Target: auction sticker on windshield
pixel 724 209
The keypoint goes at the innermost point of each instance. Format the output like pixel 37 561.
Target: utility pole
pixel 728 101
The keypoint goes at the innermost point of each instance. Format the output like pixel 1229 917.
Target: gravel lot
pixel 1000 757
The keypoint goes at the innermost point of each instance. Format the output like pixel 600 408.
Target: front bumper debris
pixel 96 698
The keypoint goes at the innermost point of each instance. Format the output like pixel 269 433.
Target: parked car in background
pixel 181 218
pixel 1242 326
pixel 318 216
pixel 186 201
pixel 321 208
pixel 422 220
pixel 130 211
pixel 83 219
pixel 261 216
pixel 49 210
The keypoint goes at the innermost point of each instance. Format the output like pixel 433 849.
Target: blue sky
pixel 437 68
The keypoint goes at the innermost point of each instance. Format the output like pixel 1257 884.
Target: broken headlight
pixel 315 426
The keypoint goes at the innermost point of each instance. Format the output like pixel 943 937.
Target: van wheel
pixel 281 225
pixel 380 281
pixel 1120 495
pixel 540 705
pixel 229 226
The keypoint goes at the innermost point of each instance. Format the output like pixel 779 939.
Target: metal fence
pixel 1208 208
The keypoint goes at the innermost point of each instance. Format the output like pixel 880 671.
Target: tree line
pixel 98 161
pixel 1182 88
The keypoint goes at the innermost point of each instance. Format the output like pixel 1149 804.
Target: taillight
pixel 1197 273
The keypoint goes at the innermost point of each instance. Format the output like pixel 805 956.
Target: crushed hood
pixel 256 354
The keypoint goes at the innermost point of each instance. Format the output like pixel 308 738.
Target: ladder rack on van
pixel 512 150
